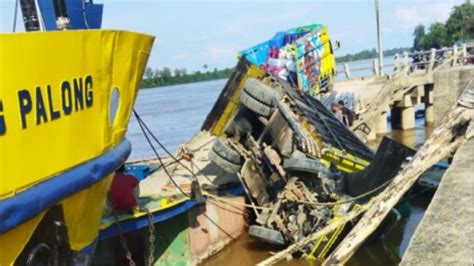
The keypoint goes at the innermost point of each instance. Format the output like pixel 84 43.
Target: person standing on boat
pixel 124 191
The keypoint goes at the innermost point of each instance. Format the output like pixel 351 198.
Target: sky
pixel 192 33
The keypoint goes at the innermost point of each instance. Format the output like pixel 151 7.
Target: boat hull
pixel 65 102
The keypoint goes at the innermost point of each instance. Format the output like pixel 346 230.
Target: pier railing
pixel 417 61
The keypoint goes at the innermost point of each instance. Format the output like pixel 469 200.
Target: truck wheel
pixel 258 97
pixel 260 91
pixel 304 165
pixel 225 156
pixel 253 104
pixel 223 149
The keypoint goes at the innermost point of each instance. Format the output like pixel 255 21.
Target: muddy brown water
pixel 247 251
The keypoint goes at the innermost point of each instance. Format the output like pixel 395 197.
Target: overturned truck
pixel 301 168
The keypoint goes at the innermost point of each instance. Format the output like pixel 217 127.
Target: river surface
pixel 175 114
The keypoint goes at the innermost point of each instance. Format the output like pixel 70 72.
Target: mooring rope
pixel 140 123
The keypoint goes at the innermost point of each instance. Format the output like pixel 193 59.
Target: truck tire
pixel 253 104
pixel 223 163
pixel 224 156
pixel 224 150
pixel 307 165
pixel 260 91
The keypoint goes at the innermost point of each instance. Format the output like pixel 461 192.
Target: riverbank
pixel 162 78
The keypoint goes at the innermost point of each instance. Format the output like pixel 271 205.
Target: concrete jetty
pixel 446 233
pixel 432 82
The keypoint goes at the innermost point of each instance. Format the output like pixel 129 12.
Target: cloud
pixel 234 29
pixel 410 17
pixel 426 13
pixel 215 53
pixel 182 56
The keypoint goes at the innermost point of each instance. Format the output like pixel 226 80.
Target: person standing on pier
pixel 337 111
pixel 347 114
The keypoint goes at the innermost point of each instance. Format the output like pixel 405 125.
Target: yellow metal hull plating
pixel 55 95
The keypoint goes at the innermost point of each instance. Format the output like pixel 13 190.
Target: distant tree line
pixel 367 54
pixel 458 27
pixel 166 76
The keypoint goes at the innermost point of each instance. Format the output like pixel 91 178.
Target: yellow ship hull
pixel 65 102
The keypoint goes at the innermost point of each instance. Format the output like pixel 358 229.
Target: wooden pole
pixel 446 138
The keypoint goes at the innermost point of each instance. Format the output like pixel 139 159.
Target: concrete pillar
pixel 376 67
pixel 407 117
pixel 396 62
pixel 428 101
pixel 395 117
pixel 455 55
pixel 381 123
pixel 448 85
pixel 429 114
pixel 406 63
pixel 429 69
pixel 347 71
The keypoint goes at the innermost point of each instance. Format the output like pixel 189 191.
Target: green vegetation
pixel 367 54
pixel 164 77
pixel 458 27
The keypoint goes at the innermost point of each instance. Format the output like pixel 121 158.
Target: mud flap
pixel 385 165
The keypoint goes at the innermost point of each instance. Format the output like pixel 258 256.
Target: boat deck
pixel 157 193
pixel 207 173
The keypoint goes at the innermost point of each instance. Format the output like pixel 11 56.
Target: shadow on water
pixel 389 251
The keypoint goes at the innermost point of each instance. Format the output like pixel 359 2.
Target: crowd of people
pixel 342 113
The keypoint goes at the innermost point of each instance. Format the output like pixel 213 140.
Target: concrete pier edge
pixel 445 236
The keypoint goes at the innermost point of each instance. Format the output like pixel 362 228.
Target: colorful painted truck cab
pixel 302 56
pixel 65 102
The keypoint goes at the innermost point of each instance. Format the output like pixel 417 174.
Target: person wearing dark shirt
pixel 347 114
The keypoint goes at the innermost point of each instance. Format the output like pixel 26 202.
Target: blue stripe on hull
pixel 140 222
pixel 27 204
